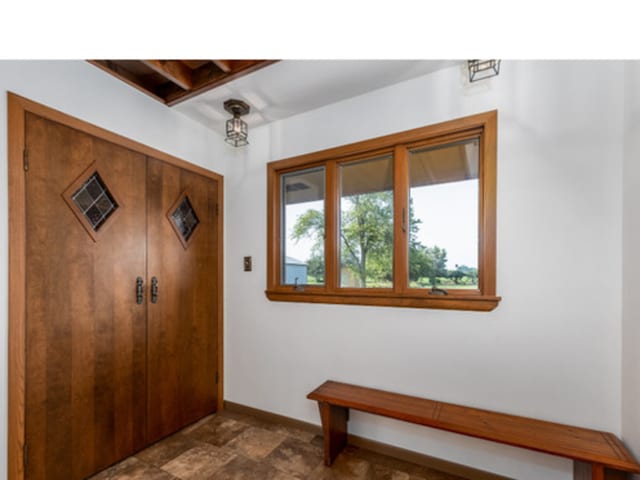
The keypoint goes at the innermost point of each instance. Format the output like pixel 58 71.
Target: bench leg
pixel 588 471
pixel 334 428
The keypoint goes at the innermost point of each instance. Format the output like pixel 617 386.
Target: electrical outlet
pixel 247 264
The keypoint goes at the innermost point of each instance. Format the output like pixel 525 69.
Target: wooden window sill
pixel 481 303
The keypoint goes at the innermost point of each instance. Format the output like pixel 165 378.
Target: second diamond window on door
pixel 184 219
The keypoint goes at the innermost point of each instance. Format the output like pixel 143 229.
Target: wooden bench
pixel 596 455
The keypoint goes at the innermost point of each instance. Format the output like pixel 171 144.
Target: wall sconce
pixel 237 130
pixel 481 69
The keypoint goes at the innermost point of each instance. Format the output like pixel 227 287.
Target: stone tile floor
pixel 227 446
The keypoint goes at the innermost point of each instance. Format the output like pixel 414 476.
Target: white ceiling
pixel 290 87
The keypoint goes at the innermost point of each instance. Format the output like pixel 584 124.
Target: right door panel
pixel 182 324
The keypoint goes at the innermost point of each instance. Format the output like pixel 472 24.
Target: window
pixel 95 201
pixel 303 227
pixel 366 223
pixel 402 220
pixel 443 205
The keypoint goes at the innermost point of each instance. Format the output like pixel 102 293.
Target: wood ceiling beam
pixel 173 81
pixel 173 70
pixel 224 65
pixel 240 68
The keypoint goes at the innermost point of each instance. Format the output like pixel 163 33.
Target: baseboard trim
pixel 372 445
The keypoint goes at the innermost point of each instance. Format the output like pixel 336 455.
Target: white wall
pixel 551 350
pixel 631 264
pixel 86 92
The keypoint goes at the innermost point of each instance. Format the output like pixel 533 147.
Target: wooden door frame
pixel 17 108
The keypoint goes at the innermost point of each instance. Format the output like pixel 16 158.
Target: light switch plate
pixel 247 264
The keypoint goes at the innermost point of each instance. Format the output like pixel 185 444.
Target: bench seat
pixel 596 454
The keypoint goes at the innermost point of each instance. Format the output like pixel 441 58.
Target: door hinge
pixel 25 160
pixel 217 209
pixel 25 455
pixel 217 377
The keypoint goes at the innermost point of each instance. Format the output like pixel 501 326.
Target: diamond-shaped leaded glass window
pixel 95 201
pixel 185 219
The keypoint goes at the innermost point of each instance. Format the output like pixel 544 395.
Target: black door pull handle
pixel 154 290
pixel 139 290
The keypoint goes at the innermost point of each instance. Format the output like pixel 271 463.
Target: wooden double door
pixel 121 292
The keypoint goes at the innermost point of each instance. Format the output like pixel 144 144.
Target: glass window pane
pixel 185 218
pixel 443 218
pixel 95 201
pixel 366 223
pixel 303 227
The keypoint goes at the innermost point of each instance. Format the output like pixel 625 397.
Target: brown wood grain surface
pixel 85 335
pixel 17 291
pixel 77 281
pixel 581 444
pixel 173 81
pixel 182 327
pixel 334 430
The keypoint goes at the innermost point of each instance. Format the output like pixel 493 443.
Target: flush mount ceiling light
pixel 237 130
pixel 481 69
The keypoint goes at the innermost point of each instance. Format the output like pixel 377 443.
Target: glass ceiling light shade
pixel 481 69
pixel 237 130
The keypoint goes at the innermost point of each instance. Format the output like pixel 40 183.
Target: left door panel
pixel 85 332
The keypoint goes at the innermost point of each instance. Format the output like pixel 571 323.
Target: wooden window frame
pixel 482 126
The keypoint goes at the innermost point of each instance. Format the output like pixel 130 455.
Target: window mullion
pixel 401 219
pixel 331 240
